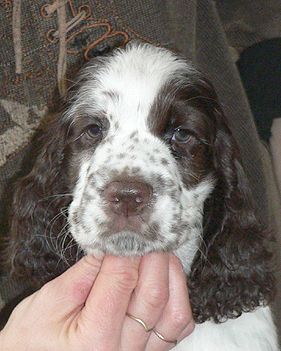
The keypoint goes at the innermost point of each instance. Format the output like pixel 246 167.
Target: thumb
pixel 71 289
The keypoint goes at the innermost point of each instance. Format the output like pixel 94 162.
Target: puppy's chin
pixel 121 244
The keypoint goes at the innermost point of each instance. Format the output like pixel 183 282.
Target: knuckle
pixel 45 289
pixel 123 272
pixel 126 279
pixel 44 293
pixel 189 328
pixel 157 297
pixel 20 308
pixel 180 319
pixel 91 262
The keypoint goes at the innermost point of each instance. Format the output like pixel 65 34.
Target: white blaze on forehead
pixel 125 84
pixel 136 75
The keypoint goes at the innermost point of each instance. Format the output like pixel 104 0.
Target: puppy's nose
pixel 127 198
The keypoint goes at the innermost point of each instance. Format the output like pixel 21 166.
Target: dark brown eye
pixel 181 135
pixel 94 131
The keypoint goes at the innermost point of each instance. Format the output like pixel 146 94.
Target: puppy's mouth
pixel 121 223
pixel 127 236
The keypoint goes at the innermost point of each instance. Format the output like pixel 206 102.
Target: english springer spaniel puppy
pixel 142 160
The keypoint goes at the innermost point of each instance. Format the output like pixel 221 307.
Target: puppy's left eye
pixel 94 131
pixel 182 135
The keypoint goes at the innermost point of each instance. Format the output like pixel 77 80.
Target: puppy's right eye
pixel 94 131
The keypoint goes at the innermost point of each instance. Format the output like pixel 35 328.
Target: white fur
pixel 253 331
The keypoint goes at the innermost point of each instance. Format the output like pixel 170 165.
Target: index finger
pixel 69 291
pixel 107 303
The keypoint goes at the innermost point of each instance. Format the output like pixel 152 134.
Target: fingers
pixel 148 300
pixel 95 294
pixel 107 303
pixel 176 322
pixel 70 290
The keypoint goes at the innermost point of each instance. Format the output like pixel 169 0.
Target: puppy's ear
pixel 231 272
pixel 38 211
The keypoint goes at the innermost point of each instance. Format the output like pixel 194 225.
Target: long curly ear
pixel 231 272
pixel 38 220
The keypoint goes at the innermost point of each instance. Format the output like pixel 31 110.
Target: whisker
pixel 56 195
pixel 54 219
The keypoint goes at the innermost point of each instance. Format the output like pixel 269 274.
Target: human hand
pixel 85 308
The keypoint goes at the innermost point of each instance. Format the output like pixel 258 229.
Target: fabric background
pixel 38 59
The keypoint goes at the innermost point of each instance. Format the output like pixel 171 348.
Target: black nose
pixel 127 198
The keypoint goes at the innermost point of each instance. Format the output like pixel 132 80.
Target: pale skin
pixel 85 308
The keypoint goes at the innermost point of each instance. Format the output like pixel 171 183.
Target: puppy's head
pixel 140 146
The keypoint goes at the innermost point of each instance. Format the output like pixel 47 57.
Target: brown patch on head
pixel 183 104
pixel 177 102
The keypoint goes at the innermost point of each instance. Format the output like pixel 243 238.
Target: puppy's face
pixel 140 149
